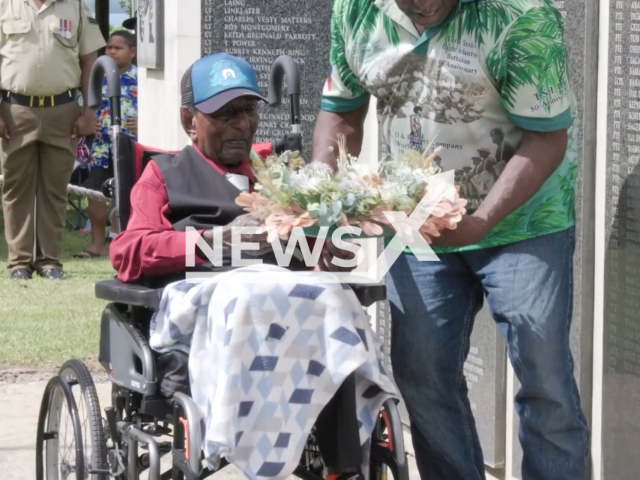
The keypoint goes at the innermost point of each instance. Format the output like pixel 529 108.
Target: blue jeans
pixel 529 289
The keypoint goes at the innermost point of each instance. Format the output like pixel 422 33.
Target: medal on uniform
pixel 65 28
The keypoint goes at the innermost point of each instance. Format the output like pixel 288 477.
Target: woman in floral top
pixel 122 48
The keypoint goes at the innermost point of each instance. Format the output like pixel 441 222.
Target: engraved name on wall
pixel 260 31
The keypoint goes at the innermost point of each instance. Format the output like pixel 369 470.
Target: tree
pixel 128 6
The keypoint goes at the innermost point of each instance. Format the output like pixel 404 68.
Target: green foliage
pixel 43 323
pixel 356 21
pixel 483 19
pixel 513 223
pixel 531 53
pixel 391 30
pixel 362 18
pixel 567 183
pixel 352 192
pixel 128 7
pixel 548 217
pixel 344 13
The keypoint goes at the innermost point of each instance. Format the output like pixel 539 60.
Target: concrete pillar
pixel 159 90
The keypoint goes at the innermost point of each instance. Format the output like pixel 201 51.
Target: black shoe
pixel 20 274
pixel 52 274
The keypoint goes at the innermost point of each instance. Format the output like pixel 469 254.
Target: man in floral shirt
pixel 122 48
pixel 489 79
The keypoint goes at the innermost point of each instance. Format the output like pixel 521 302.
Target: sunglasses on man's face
pixel 229 114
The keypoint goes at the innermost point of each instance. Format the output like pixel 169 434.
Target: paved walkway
pixel 19 407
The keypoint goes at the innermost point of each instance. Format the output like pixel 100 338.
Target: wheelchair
pixel 77 439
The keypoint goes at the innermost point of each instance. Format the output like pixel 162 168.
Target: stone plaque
pixel 576 14
pixel 260 31
pixel 621 383
pixel 485 372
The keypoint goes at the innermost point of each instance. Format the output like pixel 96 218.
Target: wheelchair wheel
pixel 70 440
pixel 388 455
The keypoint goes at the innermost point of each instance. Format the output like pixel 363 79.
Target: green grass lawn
pixel 43 323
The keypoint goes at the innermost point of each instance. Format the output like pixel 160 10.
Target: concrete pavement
pixel 19 408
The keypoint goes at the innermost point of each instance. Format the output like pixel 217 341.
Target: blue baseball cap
pixel 215 80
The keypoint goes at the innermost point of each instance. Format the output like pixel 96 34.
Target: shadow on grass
pixel 43 323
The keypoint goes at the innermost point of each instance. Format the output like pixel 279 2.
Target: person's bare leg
pixel 97 213
pixel 113 219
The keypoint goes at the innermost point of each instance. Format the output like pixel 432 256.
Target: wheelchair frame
pixel 138 415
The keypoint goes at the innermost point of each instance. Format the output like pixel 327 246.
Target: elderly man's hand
pixel 329 252
pixel 228 239
pixel 244 221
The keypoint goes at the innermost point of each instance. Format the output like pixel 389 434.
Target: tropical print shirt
pixel 102 144
pixel 470 85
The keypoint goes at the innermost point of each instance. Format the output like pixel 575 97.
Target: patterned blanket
pixel 266 357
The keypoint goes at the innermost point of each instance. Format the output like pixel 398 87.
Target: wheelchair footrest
pixel 133 437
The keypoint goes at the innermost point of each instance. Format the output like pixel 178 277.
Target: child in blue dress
pixel 122 48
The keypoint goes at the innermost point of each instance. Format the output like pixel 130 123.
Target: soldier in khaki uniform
pixel 47 50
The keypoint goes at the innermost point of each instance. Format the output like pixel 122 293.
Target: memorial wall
pixel 621 373
pixel 260 31
pixel 485 372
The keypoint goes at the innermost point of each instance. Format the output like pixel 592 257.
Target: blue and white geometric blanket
pixel 265 358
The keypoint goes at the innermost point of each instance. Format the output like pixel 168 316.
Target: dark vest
pixel 199 196
pixel 202 198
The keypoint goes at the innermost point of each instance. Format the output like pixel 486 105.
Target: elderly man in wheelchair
pixel 194 363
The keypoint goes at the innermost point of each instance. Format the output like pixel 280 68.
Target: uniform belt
pixel 39 101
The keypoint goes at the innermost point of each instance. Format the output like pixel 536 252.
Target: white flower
pixel 349 185
pixel 300 182
pixel 317 168
pixel 356 189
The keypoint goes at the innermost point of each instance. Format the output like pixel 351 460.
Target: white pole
pixel 600 240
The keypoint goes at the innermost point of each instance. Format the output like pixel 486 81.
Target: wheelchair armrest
pixel 140 296
pixel 369 294
pixel 129 293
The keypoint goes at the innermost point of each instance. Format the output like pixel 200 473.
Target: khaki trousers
pixel 37 163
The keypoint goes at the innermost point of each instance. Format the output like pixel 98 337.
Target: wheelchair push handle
pixel 291 142
pixel 106 66
pixel 285 66
pixel 191 429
